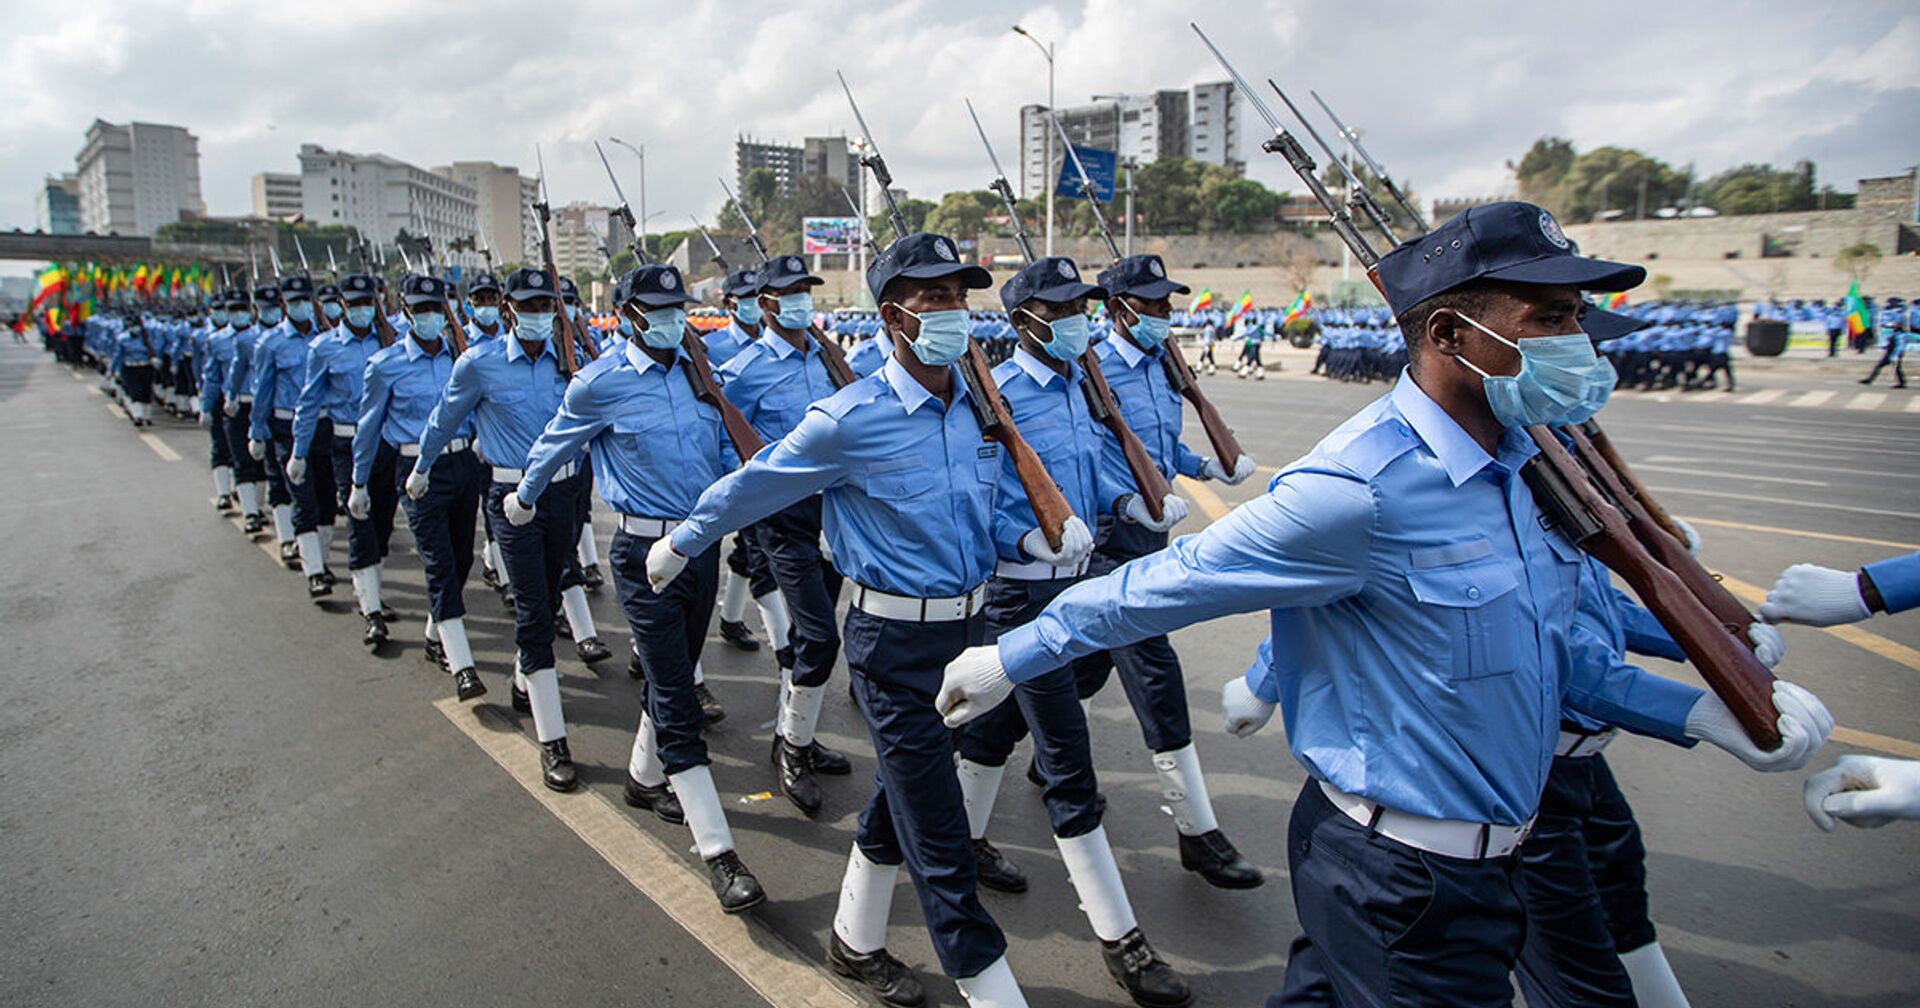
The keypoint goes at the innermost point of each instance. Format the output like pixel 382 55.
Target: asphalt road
pixel 213 795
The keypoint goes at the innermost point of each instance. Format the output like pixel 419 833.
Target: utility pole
pixel 1046 49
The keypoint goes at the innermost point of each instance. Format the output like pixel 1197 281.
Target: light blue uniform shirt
pixel 655 447
pixel 1151 408
pixel 908 486
pixel 1898 579
pixel 724 345
pixel 213 368
pixel 336 376
pixel 1613 624
pixel 402 385
pixel 773 384
pixel 1423 616
pixel 869 354
pixel 239 380
pixel 1051 412
pixel 279 369
pixel 509 395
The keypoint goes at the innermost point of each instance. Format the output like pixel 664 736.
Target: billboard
pixel 1100 165
pixel 830 235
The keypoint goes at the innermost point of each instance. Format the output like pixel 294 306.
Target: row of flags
pixel 1302 303
pixel 64 292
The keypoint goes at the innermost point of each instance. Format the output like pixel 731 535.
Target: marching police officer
pixel 262 314
pixel 402 385
pixel 907 483
pixel 773 380
pixel 657 448
pixel 510 388
pixel 1041 383
pixel 1414 588
pixel 749 576
pixel 279 373
pixel 214 353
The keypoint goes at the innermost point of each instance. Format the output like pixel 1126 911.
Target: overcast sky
pixel 1446 93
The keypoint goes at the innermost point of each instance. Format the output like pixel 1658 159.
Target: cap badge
pixel 1551 228
pixel 1153 267
pixel 668 280
pixel 943 250
pixel 537 280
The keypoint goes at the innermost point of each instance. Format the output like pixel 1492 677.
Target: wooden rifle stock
pixel 1668 550
pixel 839 372
pixel 1226 447
pixel 746 441
pixel 1050 509
pixel 1147 477
pixel 1574 505
pixel 1604 446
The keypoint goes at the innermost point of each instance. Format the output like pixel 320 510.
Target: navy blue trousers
pixel 246 468
pixel 916 816
pixel 790 539
pixel 137 381
pixel 537 556
pixel 1149 670
pixel 747 561
pixel 1583 878
pixel 442 522
pixel 668 632
pixel 316 501
pixel 218 452
pixel 1388 925
pixel 367 540
pixel 1049 706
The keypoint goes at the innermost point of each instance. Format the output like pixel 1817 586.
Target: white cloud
pixel 1446 93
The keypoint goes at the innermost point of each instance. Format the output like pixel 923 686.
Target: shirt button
pixel 1473 593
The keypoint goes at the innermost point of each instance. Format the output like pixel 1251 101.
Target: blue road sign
pixel 1100 165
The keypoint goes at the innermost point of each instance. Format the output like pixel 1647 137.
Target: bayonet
pixel 876 164
pixel 753 233
pixel 1357 193
pixel 1353 140
pixel 1087 190
pixel 625 213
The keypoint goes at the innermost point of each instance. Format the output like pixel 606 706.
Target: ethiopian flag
pixel 48 286
pixel 1302 303
pixel 1616 300
pixel 1858 319
pixel 1241 307
pixel 1204 299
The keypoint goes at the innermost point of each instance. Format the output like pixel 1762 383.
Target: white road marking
pixel 1867 400
pixel 1761 398
pixel 1814 398
pixel 1879 512
pixel 160 448
pixel 1723 474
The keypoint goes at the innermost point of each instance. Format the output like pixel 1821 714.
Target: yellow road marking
pixel 1204 496
pixel 1893 651
pixel 1869 740
pixel 761 958
pixel 1803 533
pixel 160 448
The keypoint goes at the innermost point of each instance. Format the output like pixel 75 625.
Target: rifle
pixel 866 236
pixel 1356 193
pixel 1353 140
pixel 305 270
pixel 1101 405
pixel 839 372
pixel 563 323
pixel 623 212
pixel 1180 376
pixel 1050 509
pixel 746 441
pixel 333 268
pixel 711 244
pixel 1572 503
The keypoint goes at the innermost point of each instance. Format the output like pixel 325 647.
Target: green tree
pixel 1616 178
pixel 1542 168
pixel 1241 205
pixel 964 213
pixel 1856 261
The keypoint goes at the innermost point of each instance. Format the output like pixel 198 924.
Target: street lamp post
pixel 1126 162
pixel 1046 49
pixel 641 153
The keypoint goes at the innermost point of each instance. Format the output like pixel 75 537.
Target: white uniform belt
pixel 345 429
pixel 1037 570
pixel 505 475
pixel 910 609
pixel 283 414
pixel 1584 743
pixel 1452 838
pixel 412 448
pixel 245 398
pixel 648 528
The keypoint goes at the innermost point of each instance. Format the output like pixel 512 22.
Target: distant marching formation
pixel 1444 640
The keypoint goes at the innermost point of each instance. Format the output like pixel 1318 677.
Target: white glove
pixel 417 484
pixel 1075 543
pixel 1173 509
pixel 1816 596
pixel 974 684
pixel 1767 644
pixel 664 563
pixel 231 407
pixel 1804 726
pixel 256 449
pixel 205 420
pixel 517 513
pixel 1863 791
pixel 1245 712
pixel 359 503
pixel 297 470
pixel 1689 536
pixel 1242 468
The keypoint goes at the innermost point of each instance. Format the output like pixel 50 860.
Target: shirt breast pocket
pixel 419 385
pixel 647 435
pixel 897 481
pixel 1476 605
pixel 508 396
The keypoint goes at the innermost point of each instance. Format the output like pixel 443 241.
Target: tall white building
pixel 579 230
pixel 382 196
pixel 1214 134
pixel 135 178
pixel 276 195
pixel 1141 127
pixel 503 207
